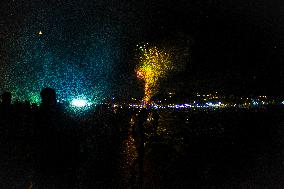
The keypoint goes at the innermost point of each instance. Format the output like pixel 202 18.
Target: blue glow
pixel 71 64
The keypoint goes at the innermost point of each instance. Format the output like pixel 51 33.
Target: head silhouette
pixel 6 98
pixel 48 97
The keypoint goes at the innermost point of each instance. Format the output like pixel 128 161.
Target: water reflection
pixel 184 149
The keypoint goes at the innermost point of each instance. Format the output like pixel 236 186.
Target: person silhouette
pixel 57 146
pixel 6 117
pixel 139 137
pixel 48 98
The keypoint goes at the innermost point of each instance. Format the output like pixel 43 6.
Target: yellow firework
pixel 153 65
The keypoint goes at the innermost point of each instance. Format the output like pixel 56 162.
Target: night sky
pixel 87 48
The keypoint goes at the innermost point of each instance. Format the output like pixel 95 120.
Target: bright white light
pixel 255 103
pixel 209 103
pixel 79 102
pixel 283 102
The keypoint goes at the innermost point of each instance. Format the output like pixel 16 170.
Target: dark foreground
pixel 193 149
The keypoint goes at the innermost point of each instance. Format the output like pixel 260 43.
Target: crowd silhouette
pixel 64 151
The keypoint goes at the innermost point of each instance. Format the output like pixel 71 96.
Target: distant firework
pixel 154 64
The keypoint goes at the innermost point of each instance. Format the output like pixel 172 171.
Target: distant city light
pixel 79 103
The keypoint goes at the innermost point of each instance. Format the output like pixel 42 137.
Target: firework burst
pixel 153 64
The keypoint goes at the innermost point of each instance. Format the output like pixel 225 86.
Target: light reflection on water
pixel 175 128
pixel 128 155
pixel 212 137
